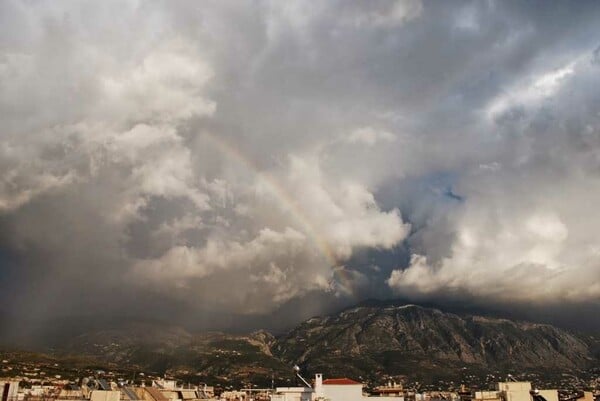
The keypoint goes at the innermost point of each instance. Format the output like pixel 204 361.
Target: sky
pixel 232 164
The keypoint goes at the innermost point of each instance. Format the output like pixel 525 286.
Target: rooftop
pixel 343 380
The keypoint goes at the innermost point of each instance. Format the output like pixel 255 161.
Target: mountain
pixel 163 349
pixel 398 340
pixel 367 341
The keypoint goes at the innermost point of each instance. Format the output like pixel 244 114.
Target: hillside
pixel 170 350
pixel 367 342
pixel 401 339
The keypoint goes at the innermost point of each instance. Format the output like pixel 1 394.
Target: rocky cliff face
pixel 397 339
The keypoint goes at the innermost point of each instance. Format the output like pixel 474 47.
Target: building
pixel 105 395
pixel 172 392
pixel 293 394
pixel 586 396
pixel 390 390
pixel 233 396
pixel 522 391
pixel 515 391
pixel 9 390
pixel 150 394
pixel 487 396
pixel 71 391
pixel 342 389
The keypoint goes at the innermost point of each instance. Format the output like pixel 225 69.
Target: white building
pixel 515 391
pixel 338 389
pixel 293 394
pixel 326 390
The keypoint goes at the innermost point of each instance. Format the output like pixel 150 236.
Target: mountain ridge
pixel 368 340
pixel 373 335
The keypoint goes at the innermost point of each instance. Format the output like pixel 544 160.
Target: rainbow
pixel 280 194
pixel 345 278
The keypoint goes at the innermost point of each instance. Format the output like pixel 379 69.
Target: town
pixel 38 382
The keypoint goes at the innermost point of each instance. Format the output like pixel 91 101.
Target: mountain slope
pixel 211 356
pixel 368 341
pixel 398 339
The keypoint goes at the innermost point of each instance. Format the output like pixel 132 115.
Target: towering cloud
pixel 525 228
pixel 166 159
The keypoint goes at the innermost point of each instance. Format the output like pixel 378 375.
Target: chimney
pixel 319 385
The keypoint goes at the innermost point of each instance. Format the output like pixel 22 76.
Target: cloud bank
pixel 188 159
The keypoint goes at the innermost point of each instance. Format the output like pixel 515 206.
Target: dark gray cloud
pixel 229 161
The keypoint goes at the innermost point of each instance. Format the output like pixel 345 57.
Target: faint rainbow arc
pixel 280 194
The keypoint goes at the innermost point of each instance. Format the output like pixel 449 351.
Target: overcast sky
pixel 214 161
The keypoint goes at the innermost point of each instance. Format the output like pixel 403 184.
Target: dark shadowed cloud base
pixel 240 164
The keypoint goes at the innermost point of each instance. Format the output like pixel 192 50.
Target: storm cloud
pixel 214 160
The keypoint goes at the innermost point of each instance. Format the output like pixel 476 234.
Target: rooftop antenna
pixel 511 377
pixel 297 370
